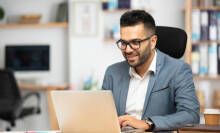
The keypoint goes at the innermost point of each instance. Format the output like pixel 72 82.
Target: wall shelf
pixel 110 40
pixel 205 42
pixel 41 25
pixel 116 10
pixel 122 10
pixel 207 77
pixel 211 8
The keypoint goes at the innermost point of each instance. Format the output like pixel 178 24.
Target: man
pixel 152 91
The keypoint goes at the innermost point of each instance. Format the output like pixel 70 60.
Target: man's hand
pixel 127 120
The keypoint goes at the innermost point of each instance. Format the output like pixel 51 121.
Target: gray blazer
pixel 170 100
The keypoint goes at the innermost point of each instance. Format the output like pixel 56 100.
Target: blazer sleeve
pixel 187 104
pixel 107 82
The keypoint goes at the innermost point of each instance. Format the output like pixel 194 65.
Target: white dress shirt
pixel 138 89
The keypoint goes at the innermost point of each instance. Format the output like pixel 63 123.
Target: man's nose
pixel 128 49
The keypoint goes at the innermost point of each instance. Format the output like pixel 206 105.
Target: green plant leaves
pixel 2 13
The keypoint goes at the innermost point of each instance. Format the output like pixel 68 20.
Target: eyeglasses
pixel 134 44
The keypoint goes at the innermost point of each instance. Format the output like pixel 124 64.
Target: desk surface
pixel 201 127
pixel 43 131
pixel 48 132
pixel 43 87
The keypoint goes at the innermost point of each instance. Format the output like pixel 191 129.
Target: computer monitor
pixel 27 57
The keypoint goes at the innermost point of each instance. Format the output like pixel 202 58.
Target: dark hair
pixel 134 17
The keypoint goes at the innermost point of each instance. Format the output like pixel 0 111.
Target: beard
pixel 142 57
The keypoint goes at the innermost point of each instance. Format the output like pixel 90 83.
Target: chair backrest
pixel 9 91
pixel 171 41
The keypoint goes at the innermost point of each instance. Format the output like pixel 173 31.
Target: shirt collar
pixel 153 63
pixel 152 67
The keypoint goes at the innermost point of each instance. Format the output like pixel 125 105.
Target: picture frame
pixel 85 18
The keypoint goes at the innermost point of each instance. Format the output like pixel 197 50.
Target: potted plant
pixel 2 15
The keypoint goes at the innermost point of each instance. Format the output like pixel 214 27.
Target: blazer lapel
pixel 152 80
pixel 123 93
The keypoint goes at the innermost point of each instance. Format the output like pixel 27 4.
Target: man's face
pixel 139 56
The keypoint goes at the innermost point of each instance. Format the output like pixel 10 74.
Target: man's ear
pixel 153 42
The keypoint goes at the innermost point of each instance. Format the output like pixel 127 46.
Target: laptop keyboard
pixel 131 130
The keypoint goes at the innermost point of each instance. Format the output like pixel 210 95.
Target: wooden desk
pixel 201 128
pixel 48 88
pixel 46 132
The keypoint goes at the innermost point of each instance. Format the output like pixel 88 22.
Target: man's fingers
pixel 126 120
pixel 121 121
pixel 126 123
pixel 123 118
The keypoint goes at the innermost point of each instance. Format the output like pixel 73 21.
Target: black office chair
pixel 11 102
pixel 171 41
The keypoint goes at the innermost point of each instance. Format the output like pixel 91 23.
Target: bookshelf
pixel 41 25
pixel 201 6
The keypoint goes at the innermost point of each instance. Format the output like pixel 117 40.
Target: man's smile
pixel 131 56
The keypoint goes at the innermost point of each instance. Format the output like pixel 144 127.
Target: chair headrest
pixel 171 41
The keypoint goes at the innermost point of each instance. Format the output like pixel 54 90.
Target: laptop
pixel 86 112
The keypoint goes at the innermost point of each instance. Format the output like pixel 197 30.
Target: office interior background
pixel 79 57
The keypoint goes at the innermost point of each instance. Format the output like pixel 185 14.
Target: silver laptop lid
pixel 85 111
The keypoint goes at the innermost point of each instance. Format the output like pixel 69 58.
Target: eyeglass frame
pixel 128 42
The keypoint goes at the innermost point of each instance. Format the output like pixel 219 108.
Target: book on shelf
pixel 116 4
pixel 195 59
pixel 203 63
pixel 104 4
pixel 213 32
pixel 195 25
pixel 213 63
pixel 204 20
pixel 112 4
pixel 124 4
pixel 218 24
pixel 218 59
pixel 62 12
